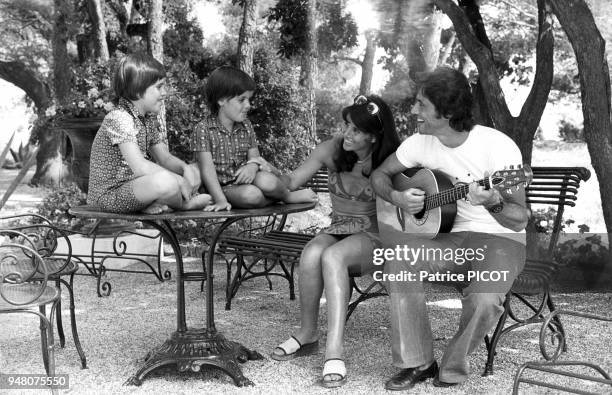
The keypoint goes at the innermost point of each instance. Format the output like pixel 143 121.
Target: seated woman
pixel 346 246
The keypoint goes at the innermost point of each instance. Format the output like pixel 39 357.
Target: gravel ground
pixel 117 331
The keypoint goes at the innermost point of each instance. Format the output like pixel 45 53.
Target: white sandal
pixel 293 348
pixel 335 367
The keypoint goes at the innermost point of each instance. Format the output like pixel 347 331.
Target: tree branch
pixel 349 59
pixel 19 75
pixel 483 58
pixel 509 4
pixel 538 96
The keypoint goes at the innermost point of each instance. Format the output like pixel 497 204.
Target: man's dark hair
pixel 135 73
pixel 226 82
pixel 449 91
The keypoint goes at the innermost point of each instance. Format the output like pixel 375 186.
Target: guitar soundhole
pixel 421 217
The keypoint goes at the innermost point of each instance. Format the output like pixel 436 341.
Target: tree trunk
pixel 309 69
pixel 367 66
pixel 246 38
pixel 431 41
pixel 472 11
pixel 589 47
pixel 62 74
pixel 447 49
pixel 50 168
pixel 123 11
pixel 155 41
pixel 99 30
pixel 526 124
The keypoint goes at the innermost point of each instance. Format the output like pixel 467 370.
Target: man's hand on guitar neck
pixel 513 214
pixel 479 196
pixel 411 200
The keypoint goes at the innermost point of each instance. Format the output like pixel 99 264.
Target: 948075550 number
pixel 33 381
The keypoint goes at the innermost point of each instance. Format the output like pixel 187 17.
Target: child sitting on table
pixel 122 177
pixel 225 141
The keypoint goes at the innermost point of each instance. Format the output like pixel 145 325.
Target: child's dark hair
pixel 135 73
pixel 226 82
pixel 449 91
pixel 381 125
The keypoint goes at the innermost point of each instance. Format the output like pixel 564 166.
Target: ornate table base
pixel 194 348
pixel 190 349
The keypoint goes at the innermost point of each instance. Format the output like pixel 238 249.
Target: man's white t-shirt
pixel 485 149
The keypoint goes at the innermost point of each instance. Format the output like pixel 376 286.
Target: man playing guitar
pixel 487 220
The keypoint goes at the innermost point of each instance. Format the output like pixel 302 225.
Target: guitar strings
pixel 450 195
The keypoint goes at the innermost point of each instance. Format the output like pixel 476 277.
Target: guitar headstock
pixel 508 178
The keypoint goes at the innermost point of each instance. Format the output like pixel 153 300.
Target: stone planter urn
pixel 80 133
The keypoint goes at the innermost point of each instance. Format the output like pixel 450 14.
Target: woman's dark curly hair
pixel 381 125
pixel 449 91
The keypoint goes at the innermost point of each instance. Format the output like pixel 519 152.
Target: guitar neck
pixel 452 195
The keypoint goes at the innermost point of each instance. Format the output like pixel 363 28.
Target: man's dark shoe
pixel 407 378
pixel 443 384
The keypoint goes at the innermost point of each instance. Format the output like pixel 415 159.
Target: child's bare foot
pixel 301 196
pixel 198 202
pixel 155 208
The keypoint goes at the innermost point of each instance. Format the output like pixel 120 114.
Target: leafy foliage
pixel 279 115
pixel 22 155
pixel 58 201
pixel 293 18
pixel 570 132
pixel 25 32
pixel 336 32
pixel 91 95
pixel 184 108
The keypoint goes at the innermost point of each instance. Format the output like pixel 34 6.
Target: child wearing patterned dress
pixel 123 177
pixel 225 146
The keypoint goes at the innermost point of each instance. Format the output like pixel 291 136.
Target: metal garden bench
pixel 282 248
pixel 555 187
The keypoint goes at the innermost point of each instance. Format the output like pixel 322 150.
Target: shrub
pixel 569 132
pixel 586 255
pixel 58 201
pixel 279 115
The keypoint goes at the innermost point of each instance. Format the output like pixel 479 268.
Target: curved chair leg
pixel 44 338
pixel 73 324
pixel 51 344
pixel 60 326
pixel 492 343
pixel 552 308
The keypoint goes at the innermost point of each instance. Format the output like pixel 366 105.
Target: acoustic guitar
pixel 440 208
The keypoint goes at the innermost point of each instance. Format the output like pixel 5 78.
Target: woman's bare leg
pixel 310 285
pixel 350 255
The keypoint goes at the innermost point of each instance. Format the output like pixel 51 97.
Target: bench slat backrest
pixel 557 187
pixel 318 182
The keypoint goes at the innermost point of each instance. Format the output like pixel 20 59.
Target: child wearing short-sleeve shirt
pixel 232 170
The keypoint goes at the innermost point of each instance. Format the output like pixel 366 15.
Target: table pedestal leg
pixel 195 348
